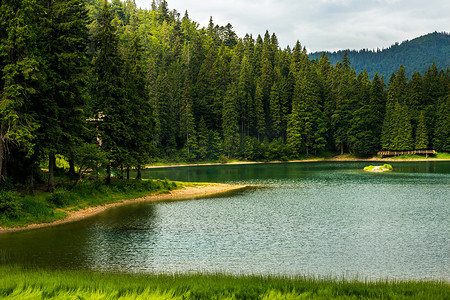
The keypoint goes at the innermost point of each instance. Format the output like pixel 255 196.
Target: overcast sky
pixel 322 24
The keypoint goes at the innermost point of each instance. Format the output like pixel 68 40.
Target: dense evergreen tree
pixel 110 102
pixel 306 128
pixel 187 121
pixel 139 107
pixel 441 139
pixel 416 55
pixel 363 132
pixel 260 116
pixel 421 141
pixel 275 112
pixel 344 84
pixel 20 77
pixel 160 87
pixel 61 103
pixel 230 122
pixel 397 128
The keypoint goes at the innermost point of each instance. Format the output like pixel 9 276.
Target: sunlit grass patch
pixel 19 283
pixel 18 210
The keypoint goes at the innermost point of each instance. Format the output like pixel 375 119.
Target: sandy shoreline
pixel 297 161
pixel 179 194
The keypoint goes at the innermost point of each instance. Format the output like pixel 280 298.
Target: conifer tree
pixel 230 121
pixel 266 82
pixel 306 128
pixel 167 113
pixel 260 117
pixel 345 99
pixel 441 141
pixel 20 77
pixel 415 95
pixel 60 108
pixel 205 88
pixel 140 123
pixel 275 112
pixel 396 125
pixel 203 135
pixel 404 136
pixel 363 131
pixel 187 121
pixel 296 60
pixel 109 91
pixel 245 101
pixel 421 141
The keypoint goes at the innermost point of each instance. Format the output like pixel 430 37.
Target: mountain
pixel 415 55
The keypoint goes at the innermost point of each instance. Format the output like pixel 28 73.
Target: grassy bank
pixel 442 155
pixel 321 157
pixel 38 284
pixel 17 210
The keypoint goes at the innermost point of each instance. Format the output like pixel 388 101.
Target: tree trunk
pixel 31 179
pixel 51 172
pixel 5 169
pixel 139 173
pixel 2 154
pixel 128 173
pixel 188 150
pixel 72 167
pixel 108 175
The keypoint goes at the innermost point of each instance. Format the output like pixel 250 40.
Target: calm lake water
pixel 317 219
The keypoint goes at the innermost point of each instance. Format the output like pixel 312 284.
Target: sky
pixel 322 25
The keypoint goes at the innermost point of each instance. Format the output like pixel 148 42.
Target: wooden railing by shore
pixel 397 153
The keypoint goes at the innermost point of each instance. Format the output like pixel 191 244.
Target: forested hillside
pixel 415 55
pixel 110 86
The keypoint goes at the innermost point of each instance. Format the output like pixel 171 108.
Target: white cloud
pixel 323 24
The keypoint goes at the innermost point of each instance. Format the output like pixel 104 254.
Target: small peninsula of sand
pixel 189 192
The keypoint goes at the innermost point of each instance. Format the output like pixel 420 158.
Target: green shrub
pixel 10 204
pixel 368 168
pixel 61 198
pixel 36 207
pixel 387 166
pixel 223 159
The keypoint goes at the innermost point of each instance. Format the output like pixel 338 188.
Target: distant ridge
pixel 415 55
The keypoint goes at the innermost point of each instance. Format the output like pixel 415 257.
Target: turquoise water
pixel 320 219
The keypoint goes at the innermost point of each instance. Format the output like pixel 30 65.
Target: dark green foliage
pixel 89 157
pixel 421 141
pixel 417 55
pixel 442 131
pixel 60 105
pixel 16 210
pixel 10 205
pixel 20 75
pixel 397 128
pixel 230 122
pixel 60 198
pixel 365 125
pixel 306 127
pixel 156 86
pixel 111 104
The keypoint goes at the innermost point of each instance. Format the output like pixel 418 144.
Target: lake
pixel 323 219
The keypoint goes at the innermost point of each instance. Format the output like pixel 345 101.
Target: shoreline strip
pixel 376 159
pixel 190 192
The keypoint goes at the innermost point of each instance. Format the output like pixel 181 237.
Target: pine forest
pixel 109 86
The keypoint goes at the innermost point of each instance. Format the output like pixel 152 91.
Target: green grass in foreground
pixel 18 210
pixel 17 283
